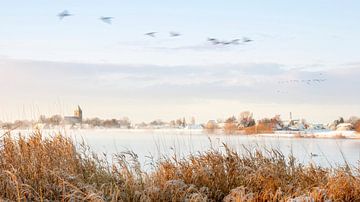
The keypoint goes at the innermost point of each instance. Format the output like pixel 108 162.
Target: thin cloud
pixel 248 82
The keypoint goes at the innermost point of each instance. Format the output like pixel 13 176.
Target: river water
pixel 156 143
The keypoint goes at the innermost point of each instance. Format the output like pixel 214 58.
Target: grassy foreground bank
pixel 53 169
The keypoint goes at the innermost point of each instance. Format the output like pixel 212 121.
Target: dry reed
pixel 53 169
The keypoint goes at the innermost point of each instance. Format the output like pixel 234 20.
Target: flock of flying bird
pixel 172 34
pixel 66 13
pixel 214 41
pixel 307 81
pixel 297 81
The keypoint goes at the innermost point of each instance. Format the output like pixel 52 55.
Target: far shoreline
pixel 326 134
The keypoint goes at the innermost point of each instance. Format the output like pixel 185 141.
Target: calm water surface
pixel 157 143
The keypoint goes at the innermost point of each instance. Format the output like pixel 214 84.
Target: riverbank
pixel 54 168
pixel 351 134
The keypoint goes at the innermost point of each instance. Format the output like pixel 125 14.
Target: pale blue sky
pixel 292 39
pixel 284 31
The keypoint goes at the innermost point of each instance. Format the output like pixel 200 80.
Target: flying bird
pixel 313 155
pixel 151 34
pixel 247 40
pixel 214 41
pixel 174 34
pixel 106 19
pixel 226 42
pixel 235 41
pixel 64 14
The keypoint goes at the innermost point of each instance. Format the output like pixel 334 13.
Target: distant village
pixel 243 123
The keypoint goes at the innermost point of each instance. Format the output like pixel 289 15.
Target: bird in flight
pixel 313 154
pixel 235 41
pixel 174 34
pixel 106 19
pixel 151 34
pixel 214 41
pixel 247 40
pixel 226 42
pixel 64 14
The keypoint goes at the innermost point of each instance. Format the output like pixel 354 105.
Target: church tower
pixel 78 113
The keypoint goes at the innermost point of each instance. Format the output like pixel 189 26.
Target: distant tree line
pixel 108 123
pixel 18 124
pixel 247 123
pixel 54 120
pixel 244 121
pixel 58 120
pixel 354 122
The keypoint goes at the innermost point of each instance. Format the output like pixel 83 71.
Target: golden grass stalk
pixel 53 169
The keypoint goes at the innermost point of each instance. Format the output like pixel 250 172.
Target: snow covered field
pixel 315 134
